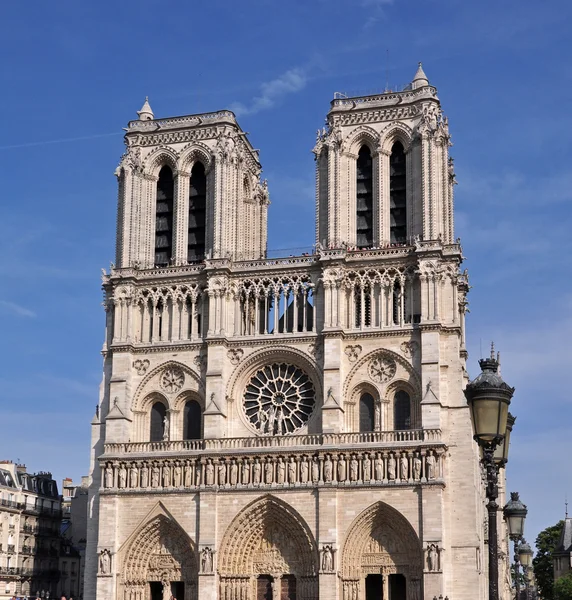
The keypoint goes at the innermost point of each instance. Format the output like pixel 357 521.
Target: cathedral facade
pixel 286 428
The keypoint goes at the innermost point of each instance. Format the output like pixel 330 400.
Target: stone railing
pixel 388 438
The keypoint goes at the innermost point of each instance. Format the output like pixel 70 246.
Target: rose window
pixel 172 379
pixel 279 399
pixel 382 369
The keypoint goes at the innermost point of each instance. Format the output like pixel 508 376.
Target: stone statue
pixel 377 416
pixel 207 560
pixel 328 469
pixel 166 587
pixel 104 562
pixel 342 468
pixel 256 472
pixel 122 476
pixel 188 476
pixel 279 421
pixel 304 470
pixel 404 461
pixel 133 477
pixel 166 427
pixel 366 466
pixel 269 471
pixel 292 470
pixel 245 472
pixel 354 469
pixel 177 475
pixel 327 559
pixel 280 471
pixel 417 468
pixel 109 476
pixel 271 419
pixel 430 467
pixel 378 468
pixel 262 420
pixel 221 473
pixel 144 476
pixel 316 470
pixel 391 467
pixel 209 473
pixel 233 473
pixel 166 476
pixel 431 557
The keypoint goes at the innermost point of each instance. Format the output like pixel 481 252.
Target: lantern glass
pixel 501 451
pixel 525 555
pixel 490 419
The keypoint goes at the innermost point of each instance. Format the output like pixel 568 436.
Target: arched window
pixel 192 426
pixel 158 415
pixel 197 211
pixel 164 218
pixel 364 202
pixel 397 195
pixel 366 413
pixel 402 410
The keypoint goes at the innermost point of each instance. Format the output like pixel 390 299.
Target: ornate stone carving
pixel 409 349
pixel 200 360
pixel 206 560
pixel 105 562
pixel 316 351
pixel 172 380
pixel 141 366
pixel 381 369
pixel 352 352
pixel 433 557
pixel 327 563
pixel 279 399
pixel 235 355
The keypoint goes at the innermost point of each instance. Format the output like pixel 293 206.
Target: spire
pixel 146 113
pixel 420 79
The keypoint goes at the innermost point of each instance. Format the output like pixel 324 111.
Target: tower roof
pixel 565 542
pixel 420 78
pixel 146 113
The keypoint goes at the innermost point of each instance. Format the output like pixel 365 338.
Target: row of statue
pixel 356 467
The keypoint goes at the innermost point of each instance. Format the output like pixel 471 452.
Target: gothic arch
pixel 158 550
pixel 381 540
pixel 151 384
pixel 352 406
pixel 158 159
pixel 414 395
pixel 405 372
pixel 397 132
pixel 195 152
pixel 360 136
pixel 268 537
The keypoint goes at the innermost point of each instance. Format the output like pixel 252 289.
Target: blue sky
pixel 74 73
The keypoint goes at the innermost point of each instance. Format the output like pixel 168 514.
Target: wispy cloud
pixel 16 309
pixel 290 82
pixel 376 10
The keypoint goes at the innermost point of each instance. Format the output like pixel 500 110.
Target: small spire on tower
pixel 492 350
pixel 420 79
pixel 146 113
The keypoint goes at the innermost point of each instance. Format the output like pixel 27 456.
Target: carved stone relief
pixel 235 355
pixel 382 369
pixel 172 379
pixel 141 366
pixel 352 352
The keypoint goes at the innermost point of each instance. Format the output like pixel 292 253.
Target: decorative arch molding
pixel 158 158
pixel 405 372
pixel 382 540
pixel 158 550
pixel 396 132
pixel 269 537
pixel 186 396
pixel 151 384
pixel 193 153
pixel 360 136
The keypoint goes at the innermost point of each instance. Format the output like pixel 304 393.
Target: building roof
pixel 565 543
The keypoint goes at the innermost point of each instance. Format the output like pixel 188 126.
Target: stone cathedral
pixel 286 428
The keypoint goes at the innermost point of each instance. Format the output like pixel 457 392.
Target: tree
pixel 546 542
pixel 563 587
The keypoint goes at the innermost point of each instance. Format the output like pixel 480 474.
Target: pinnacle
pixel 146 112
pixel 420 78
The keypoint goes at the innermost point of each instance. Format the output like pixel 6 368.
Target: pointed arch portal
pixel 159 561
pixel 381 557
pixel 268 548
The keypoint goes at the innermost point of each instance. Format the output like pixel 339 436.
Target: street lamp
pixel 488 397
pixel 525 555
pixel 514 514
pixel 501 452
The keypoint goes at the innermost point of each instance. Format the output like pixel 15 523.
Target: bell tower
pixel 383 173
pixel 189 189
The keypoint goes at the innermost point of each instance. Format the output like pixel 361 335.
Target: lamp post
pixel 525 556
pixel 514 514
pixel 488 397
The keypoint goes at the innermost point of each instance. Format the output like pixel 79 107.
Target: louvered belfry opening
pixel 197 212
pixel 164 218
pixel 397 195
pixel 366 413
pixel 193 417
pixel 157 425
pixel 402 410
pixel 364 187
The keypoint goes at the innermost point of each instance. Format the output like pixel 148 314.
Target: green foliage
pixel 563 587
pixel 546 541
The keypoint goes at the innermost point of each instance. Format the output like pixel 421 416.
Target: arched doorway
pixel 159 562
pixel 268 552
pixel 382 557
